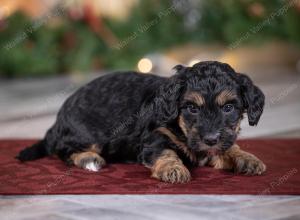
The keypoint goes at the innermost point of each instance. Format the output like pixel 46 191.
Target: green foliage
pixel 228 21
pixel 153 26
pixel 25 51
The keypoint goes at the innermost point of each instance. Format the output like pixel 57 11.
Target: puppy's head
pixel 209 103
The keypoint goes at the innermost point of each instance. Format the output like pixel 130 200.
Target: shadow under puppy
pixel 168 124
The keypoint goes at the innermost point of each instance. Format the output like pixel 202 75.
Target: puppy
pixel 168 124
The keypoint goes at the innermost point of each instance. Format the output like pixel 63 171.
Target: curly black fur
pixel 121 112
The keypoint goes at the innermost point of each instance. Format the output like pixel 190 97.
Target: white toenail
pixel 91 166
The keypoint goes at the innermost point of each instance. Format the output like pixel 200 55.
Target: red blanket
pixel 51 176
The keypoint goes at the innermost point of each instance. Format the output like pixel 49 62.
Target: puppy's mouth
pixel 210 150
pixel 201 147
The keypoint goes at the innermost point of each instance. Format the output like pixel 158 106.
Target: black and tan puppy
pixel 167 124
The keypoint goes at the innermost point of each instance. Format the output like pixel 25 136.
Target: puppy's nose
pixel 211 139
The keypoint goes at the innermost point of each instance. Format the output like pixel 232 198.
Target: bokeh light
pixel 145 65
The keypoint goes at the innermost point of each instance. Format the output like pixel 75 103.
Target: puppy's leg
pixel 239 161
pixel 164 162
pixel 169 168
pixel 89 159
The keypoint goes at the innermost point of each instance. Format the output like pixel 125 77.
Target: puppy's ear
pixel 168 97
pixel 253 99
pixel 180 68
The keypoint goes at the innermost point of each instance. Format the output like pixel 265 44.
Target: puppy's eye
pixel 192 108
pixel 227 108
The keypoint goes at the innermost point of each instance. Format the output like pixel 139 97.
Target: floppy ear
pixel 166 102
pixel 253 99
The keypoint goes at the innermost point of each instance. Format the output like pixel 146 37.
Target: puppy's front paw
pixel 249 164
pixel 173 173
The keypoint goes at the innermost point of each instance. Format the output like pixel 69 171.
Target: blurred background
pixel 49 48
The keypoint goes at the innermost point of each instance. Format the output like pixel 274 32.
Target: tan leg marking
pixel 88 160
pixel 169 168
pixel 182 146
pixel 240 161
pixel 95 148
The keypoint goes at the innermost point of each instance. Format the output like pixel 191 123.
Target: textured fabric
pixel 52 176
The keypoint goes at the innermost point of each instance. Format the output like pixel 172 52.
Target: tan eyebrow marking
pixel 225 96
pixel 195 97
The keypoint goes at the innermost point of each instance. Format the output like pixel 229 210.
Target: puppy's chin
pixel 210 150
